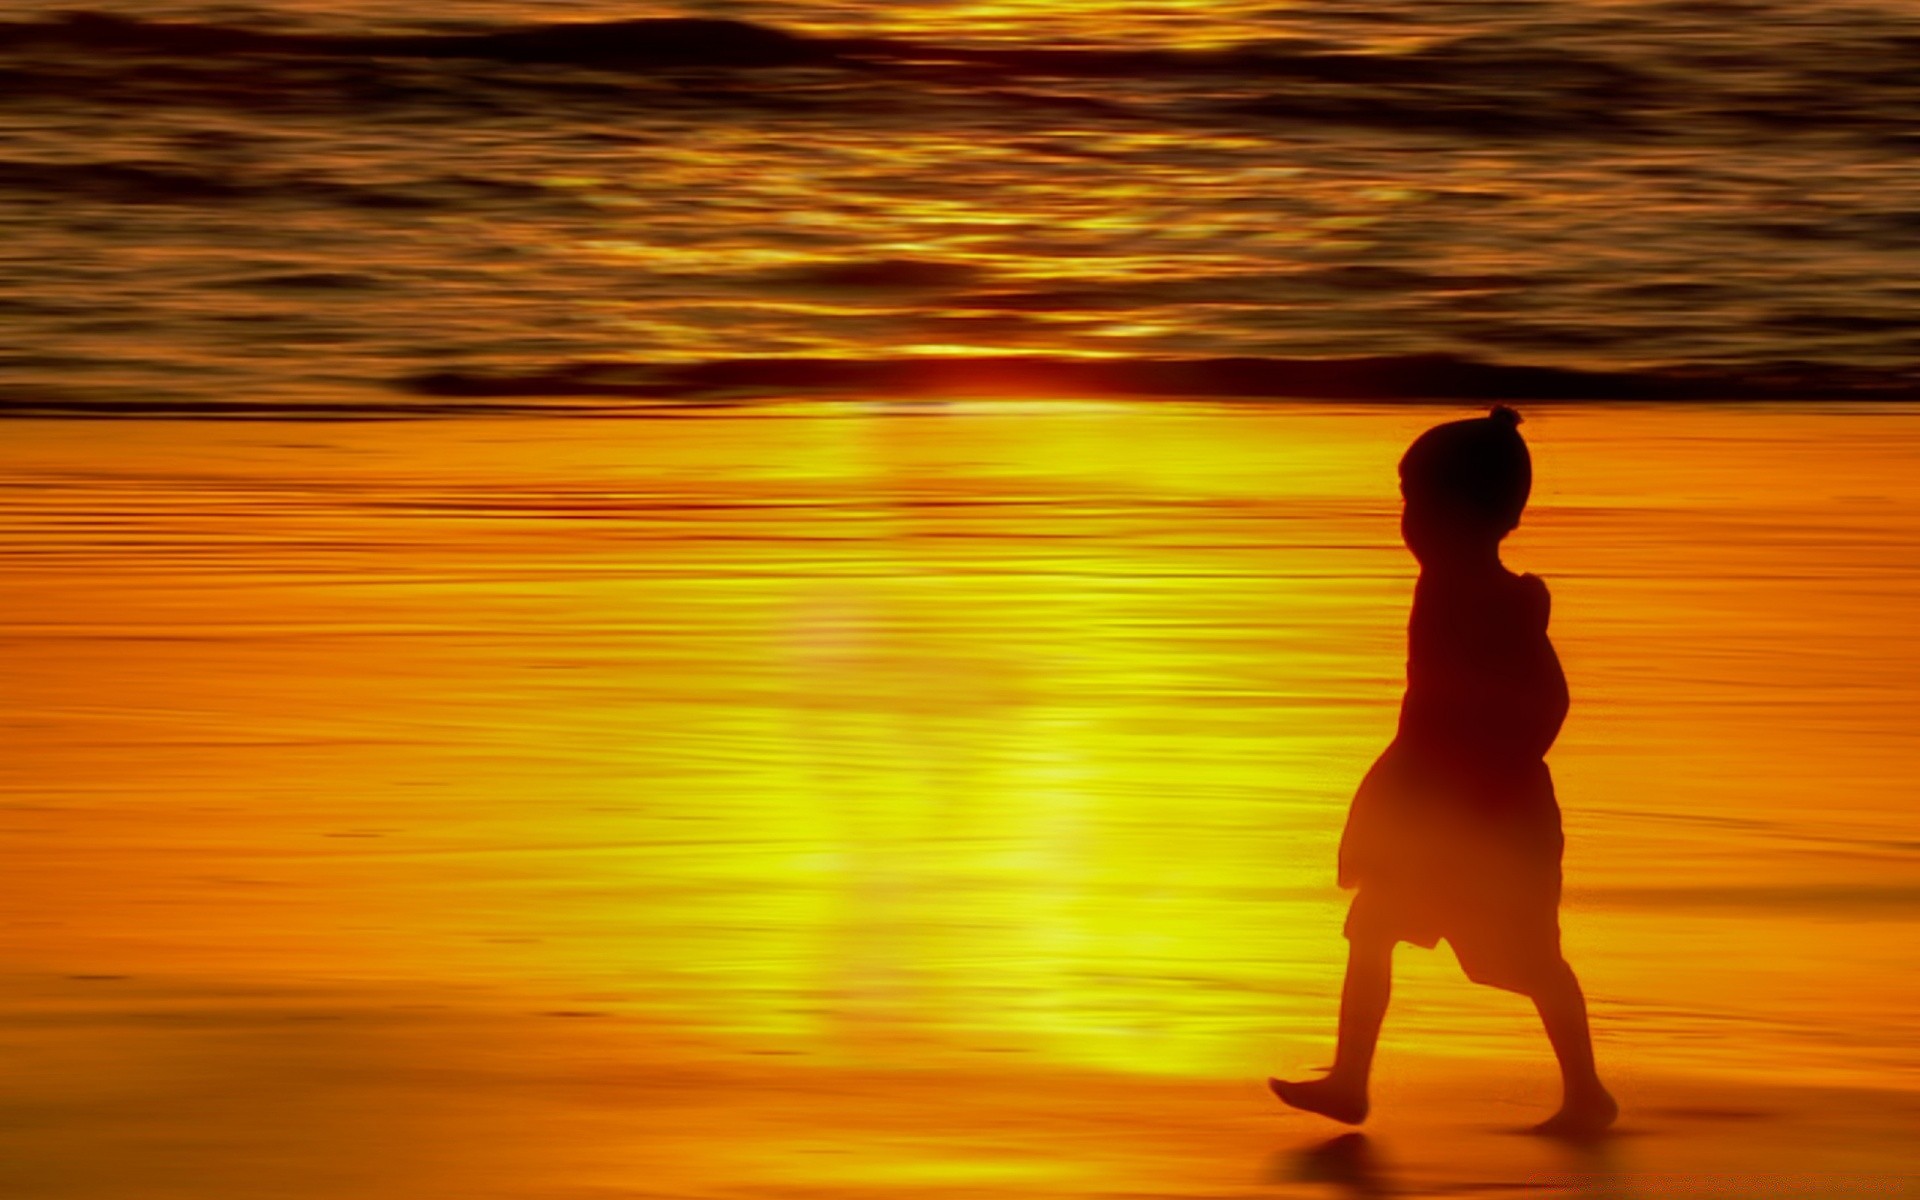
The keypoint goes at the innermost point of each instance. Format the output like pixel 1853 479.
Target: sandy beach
pixel 832 801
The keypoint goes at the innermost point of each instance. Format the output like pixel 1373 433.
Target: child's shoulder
pixel 1535 601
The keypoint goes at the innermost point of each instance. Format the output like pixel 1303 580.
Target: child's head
pixel 1465 484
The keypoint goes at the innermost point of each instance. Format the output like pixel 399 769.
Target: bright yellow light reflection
pixel 999 732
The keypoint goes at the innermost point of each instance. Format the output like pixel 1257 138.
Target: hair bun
pixel 1504 417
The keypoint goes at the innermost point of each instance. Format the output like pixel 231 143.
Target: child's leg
pixel 1586 1107
pixel 1363 1006
pixel 1342 1095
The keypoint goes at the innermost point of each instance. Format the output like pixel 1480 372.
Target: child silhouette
pixel 1455 833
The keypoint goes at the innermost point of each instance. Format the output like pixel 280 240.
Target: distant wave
pixel 1379 378
pixel 617 389
pixel 1485 85
pixel 165 183
pixel 691 41
pixel 705 41
pixel 20 404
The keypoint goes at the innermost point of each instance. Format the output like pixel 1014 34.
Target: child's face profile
pixel 1439 529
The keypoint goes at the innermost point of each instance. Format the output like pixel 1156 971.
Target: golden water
pixel 977 733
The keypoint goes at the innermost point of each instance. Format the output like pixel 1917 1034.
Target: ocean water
pixel 249 207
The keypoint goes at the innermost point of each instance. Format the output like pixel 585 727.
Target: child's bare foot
pixel 1328 1097
pixel 1580 1116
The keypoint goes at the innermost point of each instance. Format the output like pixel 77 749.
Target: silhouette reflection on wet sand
pixel 1348 1162
pixel 1455 831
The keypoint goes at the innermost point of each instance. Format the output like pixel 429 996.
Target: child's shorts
pixel 1505 934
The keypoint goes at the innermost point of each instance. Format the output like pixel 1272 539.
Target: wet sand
pixel 837 802
pixel 383 1093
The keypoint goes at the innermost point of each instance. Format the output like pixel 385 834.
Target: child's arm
pixel 1542 703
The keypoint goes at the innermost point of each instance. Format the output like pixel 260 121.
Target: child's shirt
pixel 1485 699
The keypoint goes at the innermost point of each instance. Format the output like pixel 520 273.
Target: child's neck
pixel 1474 561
